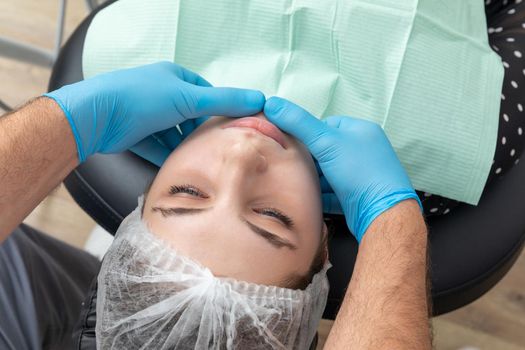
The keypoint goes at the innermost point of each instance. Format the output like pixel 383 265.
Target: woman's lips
pixel 264 127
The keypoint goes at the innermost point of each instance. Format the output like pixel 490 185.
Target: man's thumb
pixel 229 102
pixel 296 121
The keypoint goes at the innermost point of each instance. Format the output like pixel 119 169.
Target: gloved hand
pixel 356 159
pixel 112 112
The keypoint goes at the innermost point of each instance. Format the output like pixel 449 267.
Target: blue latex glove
pixel 112 112
pixel 356 159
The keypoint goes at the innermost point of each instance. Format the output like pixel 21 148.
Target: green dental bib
pixel 421 69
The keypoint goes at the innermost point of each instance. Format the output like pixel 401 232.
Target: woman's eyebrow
pixel 272 238
pixel 178 211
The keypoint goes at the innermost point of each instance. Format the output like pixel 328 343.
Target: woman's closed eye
pixel 188 189
pixel 271 212
pixel 283 218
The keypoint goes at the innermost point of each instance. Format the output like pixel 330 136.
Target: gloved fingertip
pixel 273 105
pixel 225 101
pixel 255 99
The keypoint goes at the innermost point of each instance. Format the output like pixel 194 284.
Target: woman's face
pixel 240 203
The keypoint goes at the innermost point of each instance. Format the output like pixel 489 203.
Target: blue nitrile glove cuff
pixel 80 151
pixel 362 223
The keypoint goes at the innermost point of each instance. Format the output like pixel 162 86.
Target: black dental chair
pixel 472 248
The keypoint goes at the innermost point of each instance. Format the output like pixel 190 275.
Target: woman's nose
pixel 246 157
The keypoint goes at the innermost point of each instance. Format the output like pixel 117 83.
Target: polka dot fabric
pixel 506 32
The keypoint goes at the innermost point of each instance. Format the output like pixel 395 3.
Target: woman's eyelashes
pixel 188 189
pixel 283 218
pixel 271 212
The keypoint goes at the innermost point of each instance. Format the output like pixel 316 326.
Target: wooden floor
pixel 495 321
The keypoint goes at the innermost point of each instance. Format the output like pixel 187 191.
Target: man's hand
pixel 108 113
pixel 112 112
pixel 385 306
pixel 356 160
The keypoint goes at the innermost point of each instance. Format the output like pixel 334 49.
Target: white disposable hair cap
pixel 151 297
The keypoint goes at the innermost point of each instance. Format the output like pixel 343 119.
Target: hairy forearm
pixel 37 151
pixel 386 304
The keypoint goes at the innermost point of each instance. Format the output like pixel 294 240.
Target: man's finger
pixel 331 204
pixel 151 150
pixel 187 127
pixel 335 121
pixel 325 186
pixel 192 77
pixel 171 137
pixel 318 168
pixel 229 102
pixel 294 120
pixel 199 121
